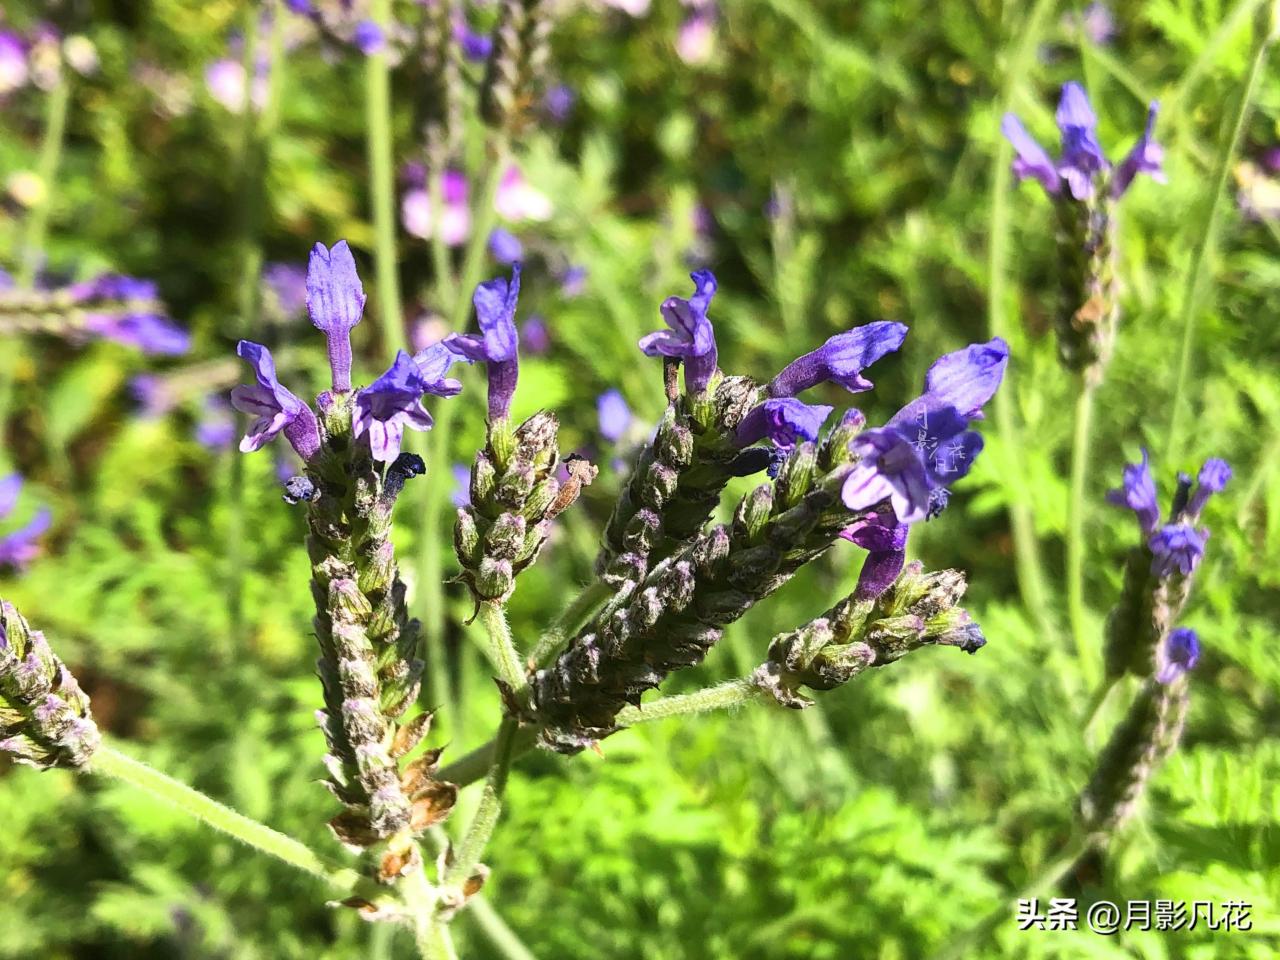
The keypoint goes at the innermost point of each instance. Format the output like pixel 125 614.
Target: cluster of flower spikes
pixel 514 489
pixel 1142 639
pixel 1084 187
pixel 123 309
pixel 44 715
pixel 678 584
pixel 354 472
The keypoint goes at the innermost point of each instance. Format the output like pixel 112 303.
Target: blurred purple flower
pixel 19 547
pixel 368 37
pixel 558 103
pixel 1212 479
pixel 14 72
pixel 454 221
pixel 1178 655
pixel 1176 548
pixel 225 80
pixel 613 414
pixel 148 332
pixel 518 200
pixel 286 283
pixel 461 496
pixel 573 281
pixel 535 337
pixel 696 39
pixel 505 247
pixel 216 428
pixel 475 46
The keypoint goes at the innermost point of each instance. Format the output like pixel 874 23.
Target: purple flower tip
pixel 1176 548
pixel 505 247
pixel 1146 156
pixel 1179 654
pixel 841 359
pixel 1030 161
pixel 274 406
pixel 614 415
pixel 690 336
pixel 335 300
pixel 1138 493
pixel 497 344
pixel 784 421
pixel 1212 479
pixel 368 37
pixel 388 405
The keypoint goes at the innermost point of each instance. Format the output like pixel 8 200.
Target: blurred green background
pixel 901 808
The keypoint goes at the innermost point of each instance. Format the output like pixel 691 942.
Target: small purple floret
pixel 1178 655
pixel 1176 548
pixel 691 336
pixel 497 344
pixel 276 408
pixel 1138 493
pixel 783 421
pixel 841 359
pixel 388 405
pixel 613 414
pixel 335 300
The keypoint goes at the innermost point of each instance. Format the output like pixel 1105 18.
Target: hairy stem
pixel 382 183
pixel 473 844
pixel 1076 611
pixel 111 762
pixel 502 648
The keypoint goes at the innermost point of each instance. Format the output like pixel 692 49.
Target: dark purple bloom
pixel 475 47
pixel 535 338
pixel 505 247
pixel 1146 156
pixel 613 414
pixel 842 359
pixel 149 332
pixel 368 37
pixel 389 404
pixel 1082 156
pixel 558 102
pixel 1213 477
pixel 1138 493
pixel 1177 655
pixel 927 445
pixel 113 286
pixel 498 343
pixel 275 407
pixel 1176 548
pixel 886 544
pixel 691 336
pixel 784 421
pixel 335 300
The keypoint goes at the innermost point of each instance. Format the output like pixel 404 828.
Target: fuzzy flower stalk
pixel 514 491
pixel 45 719
pixel 1160 570
pixel 852 483
pixel 1084 188
pixel 354 471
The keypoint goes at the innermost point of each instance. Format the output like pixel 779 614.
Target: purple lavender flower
pixel 368 37
pixel 517 199
pixel 148 332
pixel 784 421
pixel 842 359
pixel 454 219
pixel 927 445
pixel 461 496
pixel 1176 548
pixel 1212 479
pixel 558 103
pixel 1138 493
pixel 886 544
pixel 275 407
pixel 14 71
pixel 287 284
pixel 613 414
pixel 497 344
pixel 573 281
pixel 393 402
pixel 335 300
pixel 1083 162
pixel 215 430
pixel 19 547
pixel 1178 655
pixel 475 46
pixel 433 363
pixel 535 336
pixel 691 336
pixel 505 247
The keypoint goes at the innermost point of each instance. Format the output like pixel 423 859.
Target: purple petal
pixel 335 295
pixel 10 487
pixel 1138 492
pixel 1030 159
pixel 784 421
pixel 1082 156
pixel 842 359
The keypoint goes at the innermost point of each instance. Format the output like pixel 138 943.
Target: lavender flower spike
pixel 275 407
pixel 1178 655
pixel 335 300
pixel 1138 493
pixel 1213 477
pixel 389 404
pixel 842 359
pixel 691 337
pixel 1146 156
pixel 498 343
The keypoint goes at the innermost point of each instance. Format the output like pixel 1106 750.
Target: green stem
pixel 446 292
pixel 504 939
pixel 720 697
pixel 473 844
pixel 570 620
pixel 1076 610
pixel 1206 240
pixel 382 183
pixel 502 648
pixel 482 225
pixel 110 762
pixel 37 225
pixel 1043 882
pixel 1031 581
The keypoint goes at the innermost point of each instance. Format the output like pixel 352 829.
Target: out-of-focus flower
pixel 505 246
pixel 461 495
pixel 286 287
pixel 26 188
pixel 558 103
pixel 475 46
pixel 81 55
pixel 367 37
pixel 613 414
pixel 518 200
pixel 14 72
pixel 1178 655
pixel 19 547
pixel 225 80
pixel 573 281
pixel 216 428
pixel 696 39
pixel 455 219
pixel 634 8
pixel 535 338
